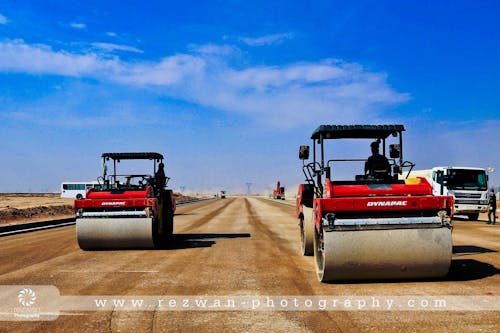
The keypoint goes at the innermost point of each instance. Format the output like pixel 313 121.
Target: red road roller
pixel 126 211
pixel 372 225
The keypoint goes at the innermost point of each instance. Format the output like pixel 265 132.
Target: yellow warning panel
pixel 412 181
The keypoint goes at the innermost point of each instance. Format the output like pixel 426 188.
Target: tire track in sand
pixel 293 280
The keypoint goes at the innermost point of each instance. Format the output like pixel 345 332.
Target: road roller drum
pixel 114 233
pixel 383 254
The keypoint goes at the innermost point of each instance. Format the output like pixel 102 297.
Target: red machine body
pixel 376 200
pixel 121 200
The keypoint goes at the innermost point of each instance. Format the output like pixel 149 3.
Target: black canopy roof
pixel 133 156
pixel 356 131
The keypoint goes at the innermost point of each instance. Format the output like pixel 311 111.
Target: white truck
pixel 468 186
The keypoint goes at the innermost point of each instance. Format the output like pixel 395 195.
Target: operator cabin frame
pixel 111 179
pixel 376 132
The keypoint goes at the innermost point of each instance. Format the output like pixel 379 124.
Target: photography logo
pixel 28 303
pixel 26 297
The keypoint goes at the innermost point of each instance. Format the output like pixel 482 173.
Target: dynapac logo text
pixel 113 203
pixel 386 203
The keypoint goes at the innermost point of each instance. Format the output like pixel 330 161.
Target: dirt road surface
pixel 243 246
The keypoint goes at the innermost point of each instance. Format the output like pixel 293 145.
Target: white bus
pixel 76 190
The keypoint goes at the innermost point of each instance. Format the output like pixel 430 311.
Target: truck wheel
pixel 79 196
pixel 473 217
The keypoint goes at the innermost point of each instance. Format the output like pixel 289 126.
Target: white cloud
pixel 282 96
pixel 78 25
pixel 111 34
pixel 298 93
pixel 213 49
pixel 166 73
pixel 17 56
pixel 266 40
pixel 326 71
pixel 3 19
pixel 109 47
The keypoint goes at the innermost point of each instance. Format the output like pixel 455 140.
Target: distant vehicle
pixel 469 187
pixel 279 191
pixel 76 190
pixel 223 194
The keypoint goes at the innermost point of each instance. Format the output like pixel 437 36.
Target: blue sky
pixel 228 90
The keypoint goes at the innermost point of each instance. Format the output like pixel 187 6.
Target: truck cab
pixel 469 187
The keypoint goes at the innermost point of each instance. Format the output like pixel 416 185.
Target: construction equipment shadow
pixel 463 250
pixel 189 241
pixel 470 269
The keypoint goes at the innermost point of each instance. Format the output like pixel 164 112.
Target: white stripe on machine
pixel 131 213
pixel 397 220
